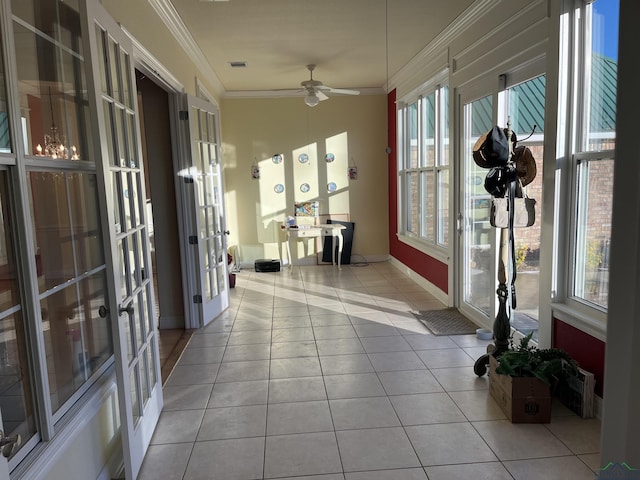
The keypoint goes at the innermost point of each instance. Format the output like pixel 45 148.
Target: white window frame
pixel 417 238
pixel 575 48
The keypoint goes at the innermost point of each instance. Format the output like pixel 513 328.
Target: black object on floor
pixel 267 265
pixel 347 235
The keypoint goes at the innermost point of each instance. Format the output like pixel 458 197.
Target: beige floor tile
pixel 299 417
pixel 404 474
pixel 449 443
pixel 165 461
pixel 512 441
pixel 409 382
pixel 236 459
pixel 232 394
pixel 475 471
pixel 581 435
pixel 358 413
pixel 560 468
pixel 477 405
pixel 301 454
pixel 376 449
pixel 426 408
pixel 233 422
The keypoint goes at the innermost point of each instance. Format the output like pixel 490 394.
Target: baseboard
pixel 420 280
pixel 114 469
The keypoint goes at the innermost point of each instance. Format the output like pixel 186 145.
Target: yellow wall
pixel 352 128
pixel 141 20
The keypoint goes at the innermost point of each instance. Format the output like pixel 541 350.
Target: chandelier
pixel 55 143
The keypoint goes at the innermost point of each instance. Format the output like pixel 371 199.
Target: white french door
pixel 126 237
pixel 209 210
pixel 477 240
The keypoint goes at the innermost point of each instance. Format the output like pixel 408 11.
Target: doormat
pixel 446 322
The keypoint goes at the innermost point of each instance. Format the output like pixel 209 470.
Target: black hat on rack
pixel 492 148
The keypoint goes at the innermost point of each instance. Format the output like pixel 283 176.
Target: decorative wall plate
pixel 329 157
pixel 278 188
pixel 304 188
pixel 331 187
pixel 277 159
pixel 303 158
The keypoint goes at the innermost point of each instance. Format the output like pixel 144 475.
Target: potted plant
pixel 523 379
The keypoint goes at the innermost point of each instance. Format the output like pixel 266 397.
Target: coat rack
pixel 506 265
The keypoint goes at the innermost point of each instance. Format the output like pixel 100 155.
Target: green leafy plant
pixel 551 365
pixel 521 254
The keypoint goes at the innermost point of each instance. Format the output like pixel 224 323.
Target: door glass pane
pixel 51 81
pixel 144 380
pixel 151 363
pixel 122 268
pixel 16 401
pixel 5 130
pixel 125 69
pixel 138 320
pixel 133 384
pixel 444 110
pixel 478 287
pixel 525 103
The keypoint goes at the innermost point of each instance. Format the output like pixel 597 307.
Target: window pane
pixel 444 124
pixel 428 205
pixel 526 107
pixel 429 126
pixel 443 207
pixel 603 74
pixel 591 280
pixel 15 392
pixel 83 197
pixel 412 136
pixel 52 227
pixel 412 197
pixel 51 80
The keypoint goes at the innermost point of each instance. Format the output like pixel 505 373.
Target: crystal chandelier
pixel 54 143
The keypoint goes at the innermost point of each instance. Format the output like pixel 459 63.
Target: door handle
pixel 9 444
pixel 460 223
pixel 227 232
pixel 128 309
pixel 103 311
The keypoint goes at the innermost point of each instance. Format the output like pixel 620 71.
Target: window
pixel 595 45
pixel 54 351
pixel 423 134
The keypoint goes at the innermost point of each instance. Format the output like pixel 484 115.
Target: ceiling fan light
pixel 311 100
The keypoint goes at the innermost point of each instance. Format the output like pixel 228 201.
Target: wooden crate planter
pixel 522 399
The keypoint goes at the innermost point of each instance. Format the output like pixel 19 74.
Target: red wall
pixel 585 349
pixel 428 267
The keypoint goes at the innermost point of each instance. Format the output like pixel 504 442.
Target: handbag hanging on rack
pixel 524 211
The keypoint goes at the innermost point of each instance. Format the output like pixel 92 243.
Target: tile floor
pixel 324 374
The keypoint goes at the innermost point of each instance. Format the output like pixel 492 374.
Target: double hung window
pixel 592 28
pixel 423 124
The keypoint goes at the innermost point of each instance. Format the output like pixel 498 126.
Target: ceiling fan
pixel 316 91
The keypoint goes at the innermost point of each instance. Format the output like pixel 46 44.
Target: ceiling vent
pixel 238 64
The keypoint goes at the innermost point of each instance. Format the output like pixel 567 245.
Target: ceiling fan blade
pixel 321 96
pixel 341 91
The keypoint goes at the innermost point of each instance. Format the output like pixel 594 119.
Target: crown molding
pixel 441 42
pixel 169 15
pixel 292 93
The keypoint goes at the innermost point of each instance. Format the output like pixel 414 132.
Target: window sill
pixel 583 321
pixel 439 253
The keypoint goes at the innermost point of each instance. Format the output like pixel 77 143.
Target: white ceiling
pixel 348 40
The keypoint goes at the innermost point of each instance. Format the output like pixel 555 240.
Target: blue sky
pixel 606 13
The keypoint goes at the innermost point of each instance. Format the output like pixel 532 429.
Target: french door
pixel 477 240
pixel 209 210
pixel 126 237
